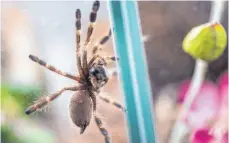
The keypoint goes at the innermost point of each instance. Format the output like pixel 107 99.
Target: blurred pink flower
pixel 205 106
pixel 220 128
pixel 223 87
pixel 201 136
pixel 225 138
pixel 208 116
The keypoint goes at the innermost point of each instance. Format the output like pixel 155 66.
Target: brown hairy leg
pixel 78 30
pixel 53 69
pixel 102 129
pixel 98 47
pixel 84 62
pixel 105 60
pixel 92 18
pixel 44 101
pixel 113 102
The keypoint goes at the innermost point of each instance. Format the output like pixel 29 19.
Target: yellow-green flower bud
pixel 206 42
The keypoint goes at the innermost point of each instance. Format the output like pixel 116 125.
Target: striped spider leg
pixel 53 69
pixel 97 47
pixel 47 99
pixel 92 19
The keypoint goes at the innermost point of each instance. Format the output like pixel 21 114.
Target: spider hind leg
pixel 47 99
pixel 102 129
pixel 112 102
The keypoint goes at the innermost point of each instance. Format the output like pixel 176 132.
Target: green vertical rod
pixel 133 70
pixel 122 53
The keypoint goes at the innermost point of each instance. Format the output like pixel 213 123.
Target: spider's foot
pixel 28 111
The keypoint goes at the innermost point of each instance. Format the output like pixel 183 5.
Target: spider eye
pixel 96 71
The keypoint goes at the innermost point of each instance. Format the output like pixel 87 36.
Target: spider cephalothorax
pixel 92 76
pixel 98 76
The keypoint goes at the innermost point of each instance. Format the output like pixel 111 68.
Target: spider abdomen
pixel 80 109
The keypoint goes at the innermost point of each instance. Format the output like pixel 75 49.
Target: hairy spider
pixel 92 76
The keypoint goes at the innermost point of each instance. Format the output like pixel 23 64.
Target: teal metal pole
pixel 133 70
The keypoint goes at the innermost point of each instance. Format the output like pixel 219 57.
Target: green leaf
pixel 206 42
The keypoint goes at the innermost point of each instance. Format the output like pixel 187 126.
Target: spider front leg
pixel 102 60
pixel 79 66
pixel 92 18
pixel 78 29
pixel 103 40
pixel 110 59
pixel 102 129
pixel 45 100
pixel 53 69
pixel 84 61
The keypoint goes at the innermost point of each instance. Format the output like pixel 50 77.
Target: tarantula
pixel 92 76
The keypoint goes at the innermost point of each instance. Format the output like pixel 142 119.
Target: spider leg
pixel 105 60
pixel 110 59
pixel 93 16
pixel 79 66
pixel 97 119
pixel 92 60
pixel 103 131
pixel 113 102
pixel 97 47
pixel 93 98
pixel 78 29
pixel 84 62
pixel 45 100
pixel 52 68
